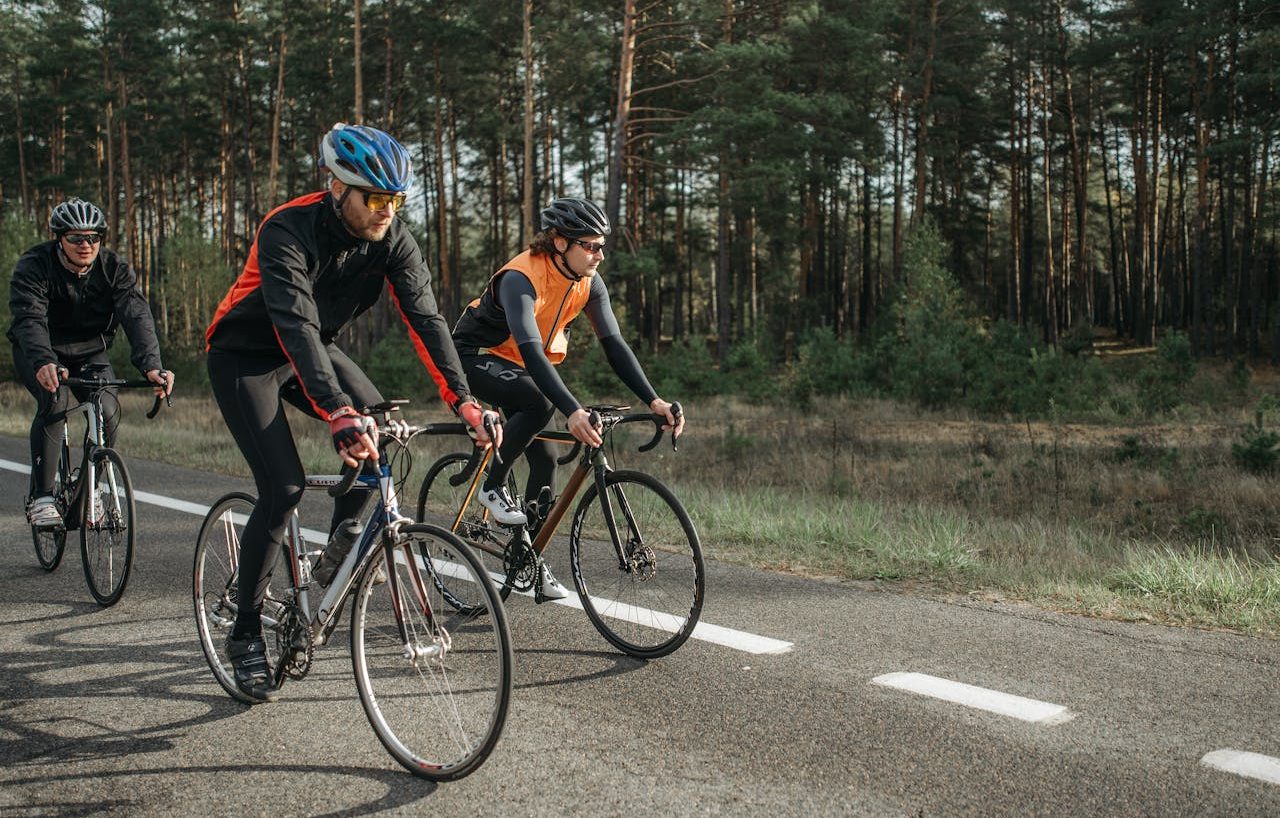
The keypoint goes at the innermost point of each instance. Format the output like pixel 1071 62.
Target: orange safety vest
pixel 557 301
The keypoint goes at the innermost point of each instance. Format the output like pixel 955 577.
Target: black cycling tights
pixel 250 392
pixel 508 386
pixel 46 438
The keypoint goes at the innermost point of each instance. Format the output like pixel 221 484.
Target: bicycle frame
pixel 381 525
pixel 592 461
pixel 94 439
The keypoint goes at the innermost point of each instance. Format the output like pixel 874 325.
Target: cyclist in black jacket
pixel 67 297
pixel 316 263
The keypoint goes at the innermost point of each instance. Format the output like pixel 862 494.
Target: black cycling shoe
pixel 253 676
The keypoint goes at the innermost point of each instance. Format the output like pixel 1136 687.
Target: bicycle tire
pixel 106 545
pixel 649 605
pixel 440 707
pixel 438 503
pixel 51 543
pixel 214 591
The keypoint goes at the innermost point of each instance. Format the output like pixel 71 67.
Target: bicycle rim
pixel 647 601
pixel 106 544
pixel 214 591
pixel 50 543
pixel 437 693
pixel 438 504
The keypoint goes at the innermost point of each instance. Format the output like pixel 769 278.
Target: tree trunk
pixel 621 117
pixel 276 114
pixel 358 60
pixel 527 225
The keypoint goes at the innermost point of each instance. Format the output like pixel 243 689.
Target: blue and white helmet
pixel 366 157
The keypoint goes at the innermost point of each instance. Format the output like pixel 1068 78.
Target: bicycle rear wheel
pixel 106 543
pixel 435 681
pixel 51 542
pixel 215 591
pixel 645 599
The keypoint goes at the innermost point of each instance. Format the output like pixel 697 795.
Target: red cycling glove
pixel 346 427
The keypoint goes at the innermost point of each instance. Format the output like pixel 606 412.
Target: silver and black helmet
pixel 572 218
pixel 77 214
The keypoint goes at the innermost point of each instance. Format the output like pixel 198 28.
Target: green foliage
pixel 1258 449
pixel 17 234
pixel 394 368
pixel 686 370
pixel 929 353
pixel 747 369
pixel 1163 379
pixel 826 366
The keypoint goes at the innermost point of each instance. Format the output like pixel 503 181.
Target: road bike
pixel 435 681
pixel 635 555
pixel 96 497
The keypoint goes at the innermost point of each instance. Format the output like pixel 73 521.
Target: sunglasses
pixel 82 238
pixel 591 247
pixel 378 200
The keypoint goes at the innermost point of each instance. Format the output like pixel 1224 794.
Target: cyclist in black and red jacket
pixel 316 263
pixel 67 298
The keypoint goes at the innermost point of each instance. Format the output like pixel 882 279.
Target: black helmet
pixel 76 214
pixel 572 218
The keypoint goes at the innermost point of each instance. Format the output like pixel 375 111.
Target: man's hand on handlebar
pixel 484 424
pixel 585 427
pixel 673 414
pixel 50 375
pixel 353 436
pixel 163 379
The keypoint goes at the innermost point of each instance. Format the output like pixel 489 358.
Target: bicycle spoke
pixel 637 564
pixel 434 680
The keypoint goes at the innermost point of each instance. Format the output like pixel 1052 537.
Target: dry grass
pixel 1150 521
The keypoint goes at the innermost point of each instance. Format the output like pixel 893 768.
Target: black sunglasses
pixel 84 238
pixel 591 247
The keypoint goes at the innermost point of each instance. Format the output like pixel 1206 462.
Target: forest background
pixel 829 215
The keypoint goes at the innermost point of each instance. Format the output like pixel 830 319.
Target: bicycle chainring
pixel 520 565
pixel 294 644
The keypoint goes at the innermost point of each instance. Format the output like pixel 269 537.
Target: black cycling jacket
pixel 58 315
pixel 307 278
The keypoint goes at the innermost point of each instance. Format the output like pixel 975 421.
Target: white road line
pixel 981 698
pixel 1250 765
pixel 706 632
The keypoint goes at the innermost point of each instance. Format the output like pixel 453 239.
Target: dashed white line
pixel 993 701
pixel 703 631
pixel 1240 762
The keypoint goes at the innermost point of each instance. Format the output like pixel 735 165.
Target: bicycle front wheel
pixel 107 526
pixel 435 681
pixel 642 590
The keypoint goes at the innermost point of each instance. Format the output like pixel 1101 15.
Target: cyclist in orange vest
pixel 511 338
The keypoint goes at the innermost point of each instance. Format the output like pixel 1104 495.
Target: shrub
pixel 1256 451
pixel 931 350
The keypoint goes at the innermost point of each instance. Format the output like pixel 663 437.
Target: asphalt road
pixel 114 711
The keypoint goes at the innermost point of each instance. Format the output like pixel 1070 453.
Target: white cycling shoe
pixel 549 586
pixel 43 513
pixel 502 507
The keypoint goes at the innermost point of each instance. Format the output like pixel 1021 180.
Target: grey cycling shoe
pixel 249 661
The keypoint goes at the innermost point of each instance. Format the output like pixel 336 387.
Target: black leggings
pixel 509 387
pixel 46 437
pixel 250 392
